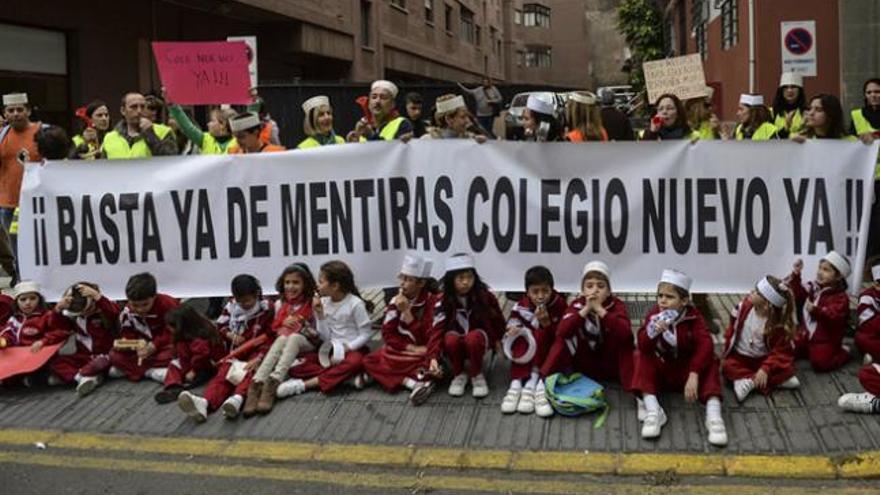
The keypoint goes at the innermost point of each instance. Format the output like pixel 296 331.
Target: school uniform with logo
pixel 470 332
pixel 23 330
pixel 665 359
pixel 820 334
pixel 747 349
pixel 523 316
pixel 868 331
pixel 600 348
pixel 93 335
pixel 151 328
pixel 392 364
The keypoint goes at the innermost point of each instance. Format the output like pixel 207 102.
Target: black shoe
pixel 168 395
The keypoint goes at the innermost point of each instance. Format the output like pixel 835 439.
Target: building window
pixel 468 33
pixel 729 24
pixel 537 56
pixel 366 7
pixel 535 15
pixel 400 4
pixel 429 11
pixel 520 58
pixel 699 19
pixel 448 19
pixel 493 35
pixel 517 17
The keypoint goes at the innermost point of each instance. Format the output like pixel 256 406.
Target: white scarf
pixel 137 322
pixel 239 317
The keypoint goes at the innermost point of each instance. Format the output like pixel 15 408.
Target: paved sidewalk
pixel 802 422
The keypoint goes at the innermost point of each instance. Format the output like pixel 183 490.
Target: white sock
pixel 651 403
pixel 237 397
pixel 409 383
pixel 515 384
pixel 540 386
pixel 533 380
pixel 713 408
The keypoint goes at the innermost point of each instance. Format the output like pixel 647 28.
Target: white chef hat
pixel 449 105
pixel 791 79
pixel 244 122
pixel 315 102
pixel 875 272
pixel 751 100
pixel 540 105
pixel 459 262
pixel 597 266
pixel 15 99
pixel 839 262
pixel 416 266
pixel 676 278
pixel 386 85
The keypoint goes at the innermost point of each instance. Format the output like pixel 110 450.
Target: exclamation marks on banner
pixel 41 251
pixel 854 202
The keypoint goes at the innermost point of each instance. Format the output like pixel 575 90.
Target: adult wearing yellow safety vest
pixel 318 124
pixel 754 119
pixel 387 124
pixel 95 125
pixel 702 120
pixel 247 128
pixel 217 140
pixel 866 120
pixel 788 105
pixel 823 120
pixel 135 136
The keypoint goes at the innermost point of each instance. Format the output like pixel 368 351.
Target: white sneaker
pixel 867 359
pixel 858 403
pixel 641 412
pixel 54 380
pixel 510 400
pixel 193 406
pixel 543 408
pixel 156 374
pixel 653 424
pixel 115 372
pixel 289 388
pixel 421 392
pixel 717 432
pixel 231 407
pixel 86 384
pixel 456 386
pixel 743 387
pixel 791 383
pixel 480 387
pixel 526 401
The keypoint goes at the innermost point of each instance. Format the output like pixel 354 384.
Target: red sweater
pixel 249 327
pixel 23 330
pixel 780 348
pixel 830 309
pixel 421 331
pixel 484 315
pixel 869 307
pixel 693 342
pixel 151 327
pixel 7 306
pixel 300 308
pixel 573 325
pixel 94 333
pixel 199 354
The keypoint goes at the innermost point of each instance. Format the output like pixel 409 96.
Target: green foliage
pixel 641 24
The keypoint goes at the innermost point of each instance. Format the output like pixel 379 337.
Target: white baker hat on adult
pixel 839 262
pixel 244 122
pixel 449 105
pixel 315 102
pixel 459 262
pixel 15 99
pixel 597 266
pixel 538 104
pixel 751 100
pixel 791 79
pixel 875 272
pixel 25 287
pixel 416 266
pixel 676 278
pixel 386 85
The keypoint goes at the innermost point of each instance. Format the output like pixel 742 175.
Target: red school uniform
pixel 599 348
pixel 151 328
pixel 391 364
pixel 523 315
pixel 301 309
pixel 778 362
pixel 664 362
pixel 23 330
pixel 470 332
pixel 820 334
pixel 868 331
pixel 94 338
pixel 248 325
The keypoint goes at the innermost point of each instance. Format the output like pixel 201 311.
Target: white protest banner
pixel 681 76
pixel 726 213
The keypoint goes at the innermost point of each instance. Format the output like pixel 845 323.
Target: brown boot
pixel 267 398
pixel 255 391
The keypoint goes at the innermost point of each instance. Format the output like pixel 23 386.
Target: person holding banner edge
pixel 318 124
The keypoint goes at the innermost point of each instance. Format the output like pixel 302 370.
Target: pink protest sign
pixel 204 73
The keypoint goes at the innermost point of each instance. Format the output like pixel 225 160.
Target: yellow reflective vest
pixel 116 147
pixel 797 121
pixel 764 132
pixel 311 142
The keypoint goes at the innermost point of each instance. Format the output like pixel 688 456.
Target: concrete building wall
pixel 859 48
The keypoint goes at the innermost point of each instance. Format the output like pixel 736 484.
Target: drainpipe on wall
pixel 751 46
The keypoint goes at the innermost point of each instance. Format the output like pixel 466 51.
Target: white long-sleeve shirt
pixel 345 321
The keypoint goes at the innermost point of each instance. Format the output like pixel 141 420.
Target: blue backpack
pixel 575 394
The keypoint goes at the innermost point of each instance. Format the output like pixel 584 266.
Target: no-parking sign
pixel 799 47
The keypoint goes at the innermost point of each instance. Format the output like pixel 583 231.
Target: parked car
pixel 623 96
pixel 513 129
